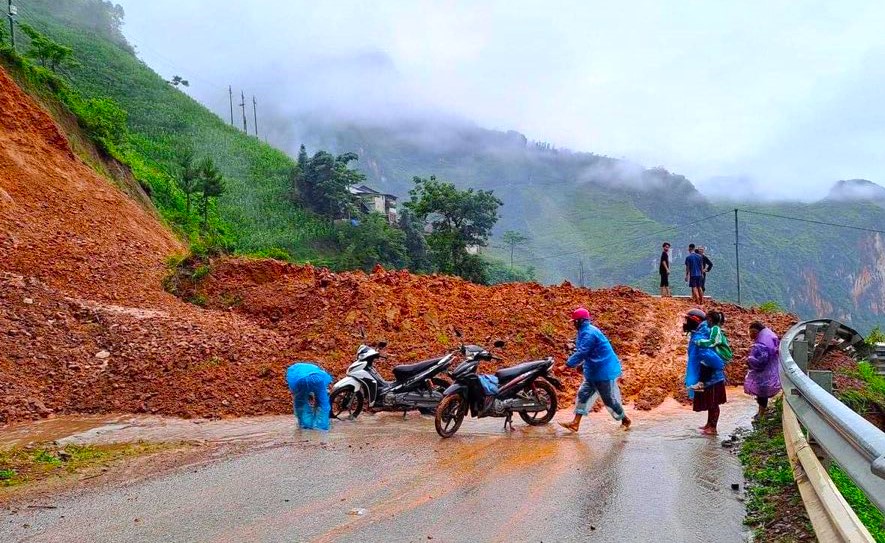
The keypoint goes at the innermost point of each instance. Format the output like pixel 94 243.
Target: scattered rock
pixel 101 355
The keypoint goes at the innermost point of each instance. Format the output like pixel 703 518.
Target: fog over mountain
pixel 780 95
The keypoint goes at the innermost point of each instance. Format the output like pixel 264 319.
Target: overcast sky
pixel 784 96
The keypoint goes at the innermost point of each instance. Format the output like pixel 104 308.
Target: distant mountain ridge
pixel 609 216
pixel 857 190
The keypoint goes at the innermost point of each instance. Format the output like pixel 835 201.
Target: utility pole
pixel 12 12
pixel 737 255
pixel 230 95
pixel 243 107
pixel 255 114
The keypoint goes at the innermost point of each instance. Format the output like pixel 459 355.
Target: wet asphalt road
pixel 659 482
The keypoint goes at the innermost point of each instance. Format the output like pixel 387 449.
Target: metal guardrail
pixel 831 516
pixel 849 439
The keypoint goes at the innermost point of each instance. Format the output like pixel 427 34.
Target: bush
pixel 770 307
pixel 104 120
pixel 273 252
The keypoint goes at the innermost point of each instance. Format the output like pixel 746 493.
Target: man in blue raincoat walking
pixel 309 386
pixel 601 371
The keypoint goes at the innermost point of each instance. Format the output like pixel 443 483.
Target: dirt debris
pixel 86 326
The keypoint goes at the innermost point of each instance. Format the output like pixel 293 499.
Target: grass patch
pixel 770 307
pixel 869 395
pixel 24 465
pixel 774 507
pixel 868 514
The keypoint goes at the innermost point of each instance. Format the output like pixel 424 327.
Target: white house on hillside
pixel 373 201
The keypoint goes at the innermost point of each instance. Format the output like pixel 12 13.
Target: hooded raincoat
pixel 698 355
pixel 763 380
pixel 303 380
pixel 595 352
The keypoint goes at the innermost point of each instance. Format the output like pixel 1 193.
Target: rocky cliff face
pixel 868 289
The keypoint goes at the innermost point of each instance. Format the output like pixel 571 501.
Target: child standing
pixel 718 342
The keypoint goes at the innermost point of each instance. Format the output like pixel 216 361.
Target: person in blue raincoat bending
pixel 309 385
pixel 601 371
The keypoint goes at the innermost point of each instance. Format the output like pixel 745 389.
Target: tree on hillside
pixel 51 54
pixel 416 245
pixel 178 80
pixel 296 176
pixel 459 219
pixel 211 184
pixel 372 242
pixel 513 239
pixel 322 182
pixel 188 178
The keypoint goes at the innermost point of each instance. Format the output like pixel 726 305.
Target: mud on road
pixel 387 479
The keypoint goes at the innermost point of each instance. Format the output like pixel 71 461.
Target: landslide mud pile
pixel 323 313
pixel 85 325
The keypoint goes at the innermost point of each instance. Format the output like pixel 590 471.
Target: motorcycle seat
pixel 506 374
pixel 406 371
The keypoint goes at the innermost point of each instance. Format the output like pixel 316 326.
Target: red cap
pixel 580 314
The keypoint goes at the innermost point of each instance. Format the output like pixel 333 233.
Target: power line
pixel 813 221
pixel 637 238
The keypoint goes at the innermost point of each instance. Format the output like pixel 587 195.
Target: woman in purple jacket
pixel 763 380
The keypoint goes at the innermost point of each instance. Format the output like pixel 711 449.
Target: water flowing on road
pixel 383 478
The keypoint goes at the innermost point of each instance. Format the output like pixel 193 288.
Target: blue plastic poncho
pixel 594 350
pixel 305 379
pixel 702 355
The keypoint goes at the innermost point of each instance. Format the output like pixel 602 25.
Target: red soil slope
pixel 85 325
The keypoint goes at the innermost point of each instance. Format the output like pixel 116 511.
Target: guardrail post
pixel 821 348
pixel 800 355
pixel 824 379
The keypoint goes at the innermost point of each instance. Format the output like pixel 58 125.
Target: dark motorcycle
pixel 527 389
pixel 416 386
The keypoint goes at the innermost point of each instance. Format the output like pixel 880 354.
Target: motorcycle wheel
pixel 450 414
pixel 346 401
pixel 545 393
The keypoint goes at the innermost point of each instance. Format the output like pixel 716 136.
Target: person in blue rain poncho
pixel 309 385
pixel 601 371
pixel 713 394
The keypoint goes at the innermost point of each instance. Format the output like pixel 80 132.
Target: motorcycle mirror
pixel 382 344
pixel 499 344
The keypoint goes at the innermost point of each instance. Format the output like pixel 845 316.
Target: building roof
pixel 363 190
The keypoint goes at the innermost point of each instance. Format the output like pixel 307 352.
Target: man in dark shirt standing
pixel 664 270
pixel 708 265
pixel 694 274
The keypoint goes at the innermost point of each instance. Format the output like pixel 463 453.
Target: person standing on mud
pixel 601 371
pixel 763 380
pixel 664 270
pixel 713 394
pixel 706 266
pixel 309 385
pixel 694 274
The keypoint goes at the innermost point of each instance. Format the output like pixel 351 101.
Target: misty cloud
pixel 784 95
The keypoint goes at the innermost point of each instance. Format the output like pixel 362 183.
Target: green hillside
pixel 256 212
